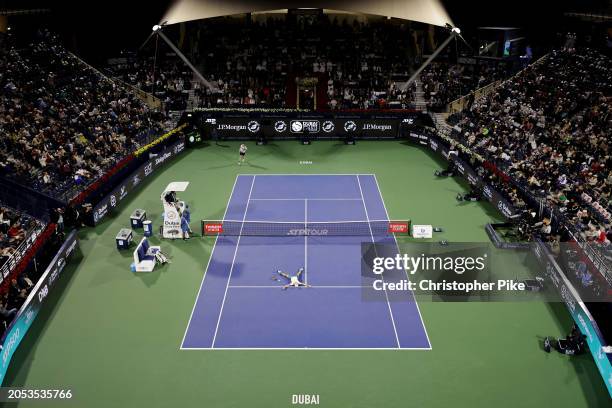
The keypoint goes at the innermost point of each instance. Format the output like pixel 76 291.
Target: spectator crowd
pixel 356 64
pixel 548 128
pixel 442 82
pixel 252 65
pixel 170 81
pixel 62 122
pixel 359 64
pixel 15 228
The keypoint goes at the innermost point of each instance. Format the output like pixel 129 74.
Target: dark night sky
pixel 106 27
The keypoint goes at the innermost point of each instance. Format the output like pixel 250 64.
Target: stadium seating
pixel 171 82
pixel 444 82
pixel 15 227
pixel 548 128
pixel 254 65
pixel 18 230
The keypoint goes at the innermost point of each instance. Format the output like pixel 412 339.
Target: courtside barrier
pixel 289 124
pixel 498 240
pixel 159 140
pixel 30 255
pixel 33 304
pixel 15 258
pixel 461 103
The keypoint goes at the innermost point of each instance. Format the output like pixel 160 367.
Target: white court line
pixel 408 277
pixel 302 288
pixel 301 199
pixel 229 278
pixel 304 349
pixel 302 222
pixel 305 174
pixel 381 277
pixel 207 265
pixel 306 242
pixel 276 287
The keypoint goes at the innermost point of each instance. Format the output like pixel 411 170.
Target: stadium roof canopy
pixel 425 11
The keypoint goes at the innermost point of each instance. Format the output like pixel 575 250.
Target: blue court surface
pixel 239 306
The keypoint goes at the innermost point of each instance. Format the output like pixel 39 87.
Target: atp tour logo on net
pixel 307 231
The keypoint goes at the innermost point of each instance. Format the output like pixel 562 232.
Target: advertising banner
pixel 580 314
pixel 33 304
pixel 466 171
pixel 130 183
pixel 421 138
pixel 159 140
pixel 279 127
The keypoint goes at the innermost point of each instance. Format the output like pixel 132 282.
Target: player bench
pixel 144 256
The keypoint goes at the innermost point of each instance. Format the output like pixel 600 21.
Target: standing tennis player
pixel 242 151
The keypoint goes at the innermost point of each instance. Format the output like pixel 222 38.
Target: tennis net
pixel 274 228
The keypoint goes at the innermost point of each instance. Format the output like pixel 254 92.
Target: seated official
pixel 170 197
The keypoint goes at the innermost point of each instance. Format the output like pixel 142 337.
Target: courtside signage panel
pixel 580 314
pixel 467 172
pixel 399 227
pixel 279 127
pixel 133 180
pixel 422 231
pixel 34 303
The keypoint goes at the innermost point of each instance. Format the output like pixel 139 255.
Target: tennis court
pixel 239 305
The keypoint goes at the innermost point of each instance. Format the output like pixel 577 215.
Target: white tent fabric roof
pixel 425 11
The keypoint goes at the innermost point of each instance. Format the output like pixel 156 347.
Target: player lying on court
pixel 294 280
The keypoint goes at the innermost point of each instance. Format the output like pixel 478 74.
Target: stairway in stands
pixel 419 98
pixel 440 120
pixel 421 104
pixel 193 100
